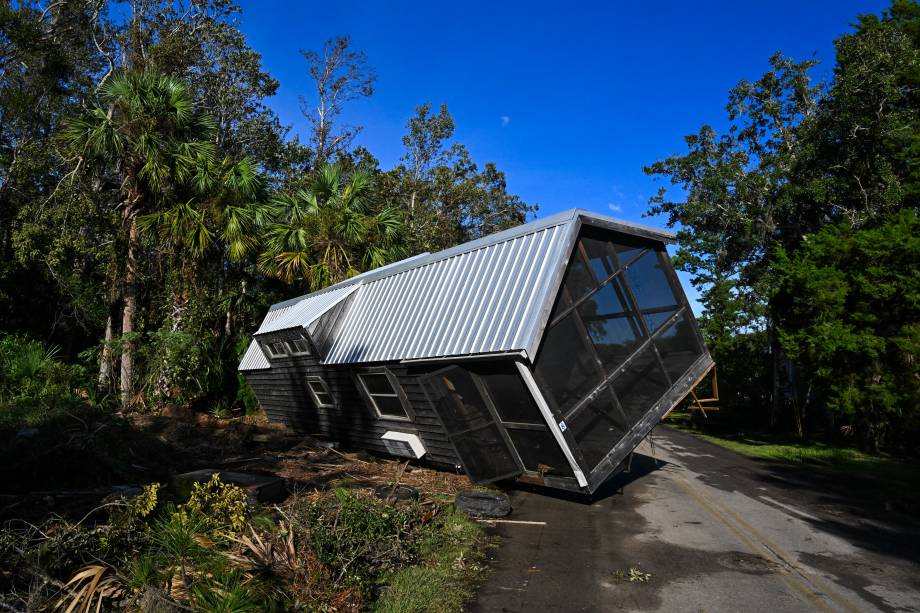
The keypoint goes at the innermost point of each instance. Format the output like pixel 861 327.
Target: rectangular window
pixel 384 394
pixel 275 349
pixel 299 346
pixel 319 391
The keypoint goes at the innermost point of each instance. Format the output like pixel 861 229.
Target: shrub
pixel 362 536
pixel 33 383
pixel 221 506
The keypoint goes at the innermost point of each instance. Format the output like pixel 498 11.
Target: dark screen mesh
pixel 678 347
pixel 539 451
pixel 457 400
pixel 652 290
pixel 640 386
pixel 512 399
pixel 610 323
pixel 597 428
pixel 485 454
pixel 578 279
pixel 566 364
pixel 599 255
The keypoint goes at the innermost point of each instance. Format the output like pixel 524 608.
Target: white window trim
pixel 270 352
pixel 292 351
pixel 398 393
pixel 316 401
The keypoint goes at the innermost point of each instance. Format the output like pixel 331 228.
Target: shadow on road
pixel 641 466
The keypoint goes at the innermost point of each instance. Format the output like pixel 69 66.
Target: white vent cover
pixel 403 444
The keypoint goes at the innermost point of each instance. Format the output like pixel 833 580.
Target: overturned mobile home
pixel 546 352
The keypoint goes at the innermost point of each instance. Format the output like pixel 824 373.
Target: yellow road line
pixel 801 581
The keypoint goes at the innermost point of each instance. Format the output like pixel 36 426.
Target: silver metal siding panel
pixel 472 302
pixel 524 301
pixel 492 306
pixel 508 315
pixel 539 292
pixel 472 322
pixel 466 293
pixel 254 359
pixel 518 308
pixel 304 312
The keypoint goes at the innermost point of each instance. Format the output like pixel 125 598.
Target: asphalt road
pixel 716 531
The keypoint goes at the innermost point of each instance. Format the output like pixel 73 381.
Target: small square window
pixel 320 393
pixel 299 346
pixel 383 393
pixel 276 349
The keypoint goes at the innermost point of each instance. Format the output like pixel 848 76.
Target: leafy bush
pixel 220 506
pixel 335 553
pixel 363 536
pixel 33 382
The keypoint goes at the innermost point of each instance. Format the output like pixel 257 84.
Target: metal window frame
pixel 398 392
pixel 311 379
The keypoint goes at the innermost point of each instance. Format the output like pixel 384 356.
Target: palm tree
pixel 147 134
pixel 330 231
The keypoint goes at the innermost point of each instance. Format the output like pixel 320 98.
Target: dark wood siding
pixel 282 392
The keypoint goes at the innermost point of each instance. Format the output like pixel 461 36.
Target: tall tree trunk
pixel 130 311
pixel 105 360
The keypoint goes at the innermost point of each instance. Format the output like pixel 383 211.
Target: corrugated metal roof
pixel 487 296
pixel 473 302
pixel 305 311
pixel 254 359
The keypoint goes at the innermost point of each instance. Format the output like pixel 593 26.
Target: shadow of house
pixel 544 353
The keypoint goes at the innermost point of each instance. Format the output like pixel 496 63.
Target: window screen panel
pixel 539 451
pixel 578 278
pixel 611 324
pixel 485 454
pixel 458 400
pixel 678 347
pixel 656 320
pixel 626 253
pixel 651 287
pixel 512 399
pixel 383 395
pixel 599 255
pixel 565 364
pixel 640 386
pixel 597 428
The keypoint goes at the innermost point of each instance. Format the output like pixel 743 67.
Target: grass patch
pixel 896 475
pixel 451 554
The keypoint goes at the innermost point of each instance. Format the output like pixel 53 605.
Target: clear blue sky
pixel 569 99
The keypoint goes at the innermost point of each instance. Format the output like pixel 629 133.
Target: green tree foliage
pixel 799 163
pixel 148 137
pixel 152 204
pixel 851 320
pixel 330 231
